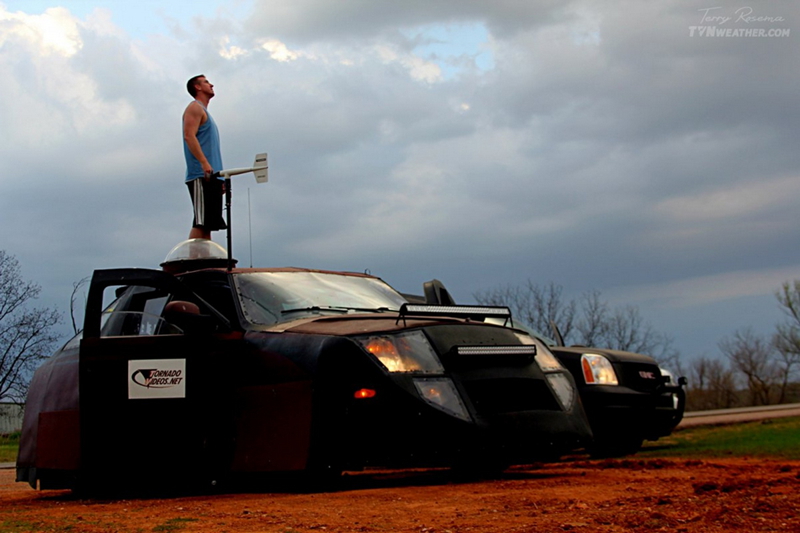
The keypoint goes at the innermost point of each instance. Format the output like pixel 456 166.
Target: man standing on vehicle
pixel 201 148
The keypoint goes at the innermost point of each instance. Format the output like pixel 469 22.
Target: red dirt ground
pixel 575 495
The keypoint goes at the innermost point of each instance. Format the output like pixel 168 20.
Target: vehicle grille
pixel 508 395
pixel 640 377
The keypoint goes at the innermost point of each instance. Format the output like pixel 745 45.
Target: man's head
pixel 199 84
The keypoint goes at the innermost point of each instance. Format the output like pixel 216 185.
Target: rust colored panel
pixel 273 427
pixel 58 441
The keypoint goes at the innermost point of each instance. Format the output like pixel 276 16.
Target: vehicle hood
pixel 361 324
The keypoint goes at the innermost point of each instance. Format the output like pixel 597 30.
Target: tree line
pixel 755 369
pixel 585 321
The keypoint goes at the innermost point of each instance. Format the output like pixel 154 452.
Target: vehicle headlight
pixel 442 394
pixel 404 352
pixel 544 358
pixel 597 370
pixel 563 389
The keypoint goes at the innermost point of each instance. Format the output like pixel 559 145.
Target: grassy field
pixel 8 447
pixel 769 438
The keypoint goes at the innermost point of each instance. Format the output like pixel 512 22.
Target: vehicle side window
pixel 215 289
pixel 137 312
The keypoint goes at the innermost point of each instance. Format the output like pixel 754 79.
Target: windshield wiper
pixel 315 308
pixel 338 309
pixel 369 309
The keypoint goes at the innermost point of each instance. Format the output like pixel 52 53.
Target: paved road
pixel 733 416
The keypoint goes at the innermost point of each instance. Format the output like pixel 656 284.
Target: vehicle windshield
pixel 271 297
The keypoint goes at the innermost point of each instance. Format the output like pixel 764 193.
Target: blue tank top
pixel 208 136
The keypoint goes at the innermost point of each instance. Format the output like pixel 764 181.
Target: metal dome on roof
pixel 196 254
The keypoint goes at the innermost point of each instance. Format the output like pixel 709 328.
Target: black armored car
pixel 202 370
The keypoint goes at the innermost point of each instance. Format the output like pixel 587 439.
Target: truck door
pixel 152 407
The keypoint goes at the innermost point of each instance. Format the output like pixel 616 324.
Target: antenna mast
pixel 259 168
pixel 250 227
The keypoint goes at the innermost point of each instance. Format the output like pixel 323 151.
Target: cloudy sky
pixel 647 150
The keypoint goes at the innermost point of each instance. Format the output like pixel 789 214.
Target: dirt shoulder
pixel 577 495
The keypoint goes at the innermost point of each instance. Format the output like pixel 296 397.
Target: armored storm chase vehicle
pixel 201 371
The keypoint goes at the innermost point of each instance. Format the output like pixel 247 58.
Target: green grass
pixel 777 438
pixel 26 526
pixel 70 525
pixel 173 524
pixel 9 444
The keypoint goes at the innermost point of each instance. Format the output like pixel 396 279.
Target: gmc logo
pixel 647 375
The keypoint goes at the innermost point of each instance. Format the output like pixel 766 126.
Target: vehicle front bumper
pixel 621 409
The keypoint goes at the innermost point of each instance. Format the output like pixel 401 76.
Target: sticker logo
pixel 156 378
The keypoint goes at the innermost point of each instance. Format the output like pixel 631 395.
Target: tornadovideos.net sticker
pixel 156 378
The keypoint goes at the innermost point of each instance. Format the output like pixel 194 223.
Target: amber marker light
pixel 362 394
pixel 588 375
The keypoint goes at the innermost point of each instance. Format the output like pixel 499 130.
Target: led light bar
pixel 457 311
pixel 528 350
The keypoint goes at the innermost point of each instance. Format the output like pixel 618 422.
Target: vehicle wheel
pixel 608 446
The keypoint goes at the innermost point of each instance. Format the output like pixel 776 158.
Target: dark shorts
pixel 207 203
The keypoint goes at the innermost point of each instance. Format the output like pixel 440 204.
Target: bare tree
pixel 722 385
pixel 787 337
pixel 699 374
pixel 752 356
pixel 26 335
pixel 535 305
pixel 622 328
pixel 76 287
pixel 627 330
pixel 592 327
pixel 712 385
pixel 589 322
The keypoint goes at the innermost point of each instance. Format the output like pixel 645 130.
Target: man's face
pixel 204 86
